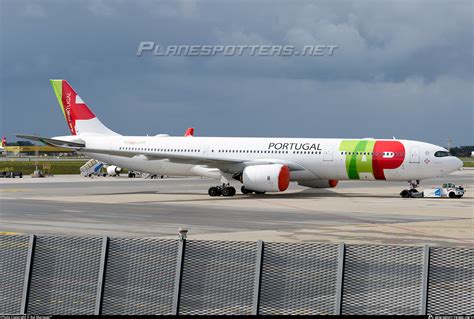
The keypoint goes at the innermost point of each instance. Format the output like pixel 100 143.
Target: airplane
pixel 260 164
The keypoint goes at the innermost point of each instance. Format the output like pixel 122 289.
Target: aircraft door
pixel 205 150
pixel 415 154
pixel 328 152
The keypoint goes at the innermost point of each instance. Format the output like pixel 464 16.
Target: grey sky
pixel 402 68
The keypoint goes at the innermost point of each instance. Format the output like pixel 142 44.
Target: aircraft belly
pixel 326 170
pixel 302 175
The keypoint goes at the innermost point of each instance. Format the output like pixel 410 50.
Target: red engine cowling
pixel 266 178
pixel 317 183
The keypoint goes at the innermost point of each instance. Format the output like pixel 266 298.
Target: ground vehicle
pixel 92 167
pixel 11 174
pixel 446 190
pixel 134 174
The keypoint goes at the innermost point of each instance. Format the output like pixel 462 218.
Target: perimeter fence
pixel 55 275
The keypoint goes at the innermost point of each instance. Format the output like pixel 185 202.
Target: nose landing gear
pixel 412 192
pixel 225 190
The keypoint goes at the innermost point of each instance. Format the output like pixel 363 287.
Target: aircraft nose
pixel 458 163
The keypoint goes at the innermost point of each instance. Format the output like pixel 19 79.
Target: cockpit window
pixel 442 154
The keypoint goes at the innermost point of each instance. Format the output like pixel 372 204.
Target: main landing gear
pixel 412 192
pixel 224 190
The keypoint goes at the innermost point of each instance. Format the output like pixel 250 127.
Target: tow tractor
pixel 446 190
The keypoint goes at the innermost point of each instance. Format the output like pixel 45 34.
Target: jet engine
pixel 266 178
pixel 317 183
pixel 113 170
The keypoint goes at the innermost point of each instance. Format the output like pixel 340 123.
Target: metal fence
pixel 77 275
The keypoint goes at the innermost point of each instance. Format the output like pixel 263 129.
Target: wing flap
pixel 175 158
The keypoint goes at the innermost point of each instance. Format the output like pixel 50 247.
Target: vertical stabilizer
pixel 79 117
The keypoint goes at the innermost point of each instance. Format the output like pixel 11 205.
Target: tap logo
pixel 371 157
pixel 72 105
pixel 67 111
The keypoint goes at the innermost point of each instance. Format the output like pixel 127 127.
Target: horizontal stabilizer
pixel 78 143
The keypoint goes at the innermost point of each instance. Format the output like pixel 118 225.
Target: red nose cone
pixel 284 178
pixel 333 182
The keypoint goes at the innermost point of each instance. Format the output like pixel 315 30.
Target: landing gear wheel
pixel 245 191
pixel 405 193
pixel 458 196
pixel 259 193
pixel 214 191
pixel 452 195
pixel 228 191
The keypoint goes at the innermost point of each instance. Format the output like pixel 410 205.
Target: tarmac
pixel 353 212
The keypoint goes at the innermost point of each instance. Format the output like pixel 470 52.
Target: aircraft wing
pixel 209 161
pixel 194 159
pixel 54 142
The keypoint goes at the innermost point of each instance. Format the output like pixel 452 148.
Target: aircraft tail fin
pixel 189 132
pixel 79 117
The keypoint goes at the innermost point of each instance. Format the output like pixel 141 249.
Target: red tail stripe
pixel 74 111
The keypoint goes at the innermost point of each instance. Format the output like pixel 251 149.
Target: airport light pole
pixel 449 140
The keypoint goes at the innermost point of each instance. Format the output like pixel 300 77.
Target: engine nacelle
pixel 113 170
pixel 266 178
pixel 317 183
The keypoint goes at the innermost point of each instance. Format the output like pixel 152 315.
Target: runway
pixel 354 212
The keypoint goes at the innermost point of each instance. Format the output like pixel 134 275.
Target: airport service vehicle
pixel 134 174
pixel 259 164
pixel 11 174
pixel 95 167
pixel 92 167
pixel 446 190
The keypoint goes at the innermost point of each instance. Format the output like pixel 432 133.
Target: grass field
pixel 56 168
pixel 468 161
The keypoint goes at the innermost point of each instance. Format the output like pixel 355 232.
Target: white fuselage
pixel 316 158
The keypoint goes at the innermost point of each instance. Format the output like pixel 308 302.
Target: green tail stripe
pixel 58 90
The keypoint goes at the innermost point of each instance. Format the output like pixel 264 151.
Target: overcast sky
pixel 402 68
